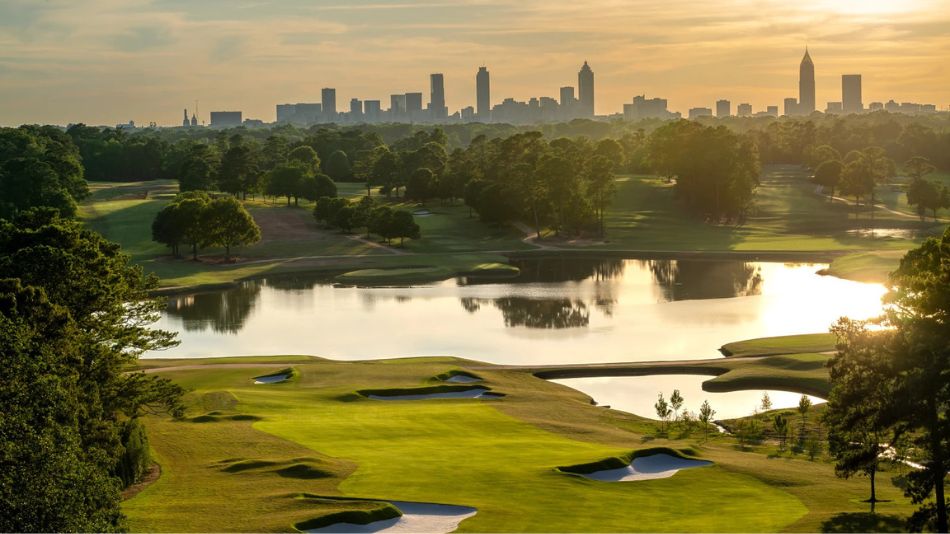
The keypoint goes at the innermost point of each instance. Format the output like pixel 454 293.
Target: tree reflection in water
pixel 692 279
pixel 223 312
pixel 543 313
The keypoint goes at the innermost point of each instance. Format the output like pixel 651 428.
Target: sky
pixel 111 61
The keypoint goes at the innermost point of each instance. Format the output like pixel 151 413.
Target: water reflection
pixel 556 311
pixel 686 280
pixel 222 311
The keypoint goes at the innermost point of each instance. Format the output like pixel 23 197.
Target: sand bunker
pixel 418 517
pixel 271 379
pixel 647 468
pixel 474 393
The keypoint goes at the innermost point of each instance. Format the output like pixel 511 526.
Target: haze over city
pixel 107 62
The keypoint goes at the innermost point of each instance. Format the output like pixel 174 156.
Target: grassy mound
pixel 442 377
pixel 425 390
pixel 872 267
pixel 493 270
pixel 303 471
pixel 623 460
pixel 780 345
pixel 289 372
pixel 406 275
pixel 376 511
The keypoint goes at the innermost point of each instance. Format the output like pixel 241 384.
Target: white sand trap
pixel 270 379
pixel 474 393
pixel 647 468
pixel 417 517
pixel 462 379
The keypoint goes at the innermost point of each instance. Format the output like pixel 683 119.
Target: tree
pixel 676 402
pixel 286 180
pixel 326 209
pixel 828 175
pixel 421 185
pixel 239 173
pixel 229 224
pixel 663 411
pixel 856 435
pixel 190 213
pixel 107 299
pixel 199 169
pixel 804 404
pixel 780 425
pixel 380 222
pixel 706 414
pixel 337 167
pixel 917 167
pixel 601 187
pixel 314 187
pixel 306 157
pixel 402 225
pixel 30 182
pixel 863 171
pixel 343 219
pixel 766 404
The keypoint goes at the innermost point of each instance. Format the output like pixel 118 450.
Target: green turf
pixel 499 457
pixel 871 267
pixel 780 345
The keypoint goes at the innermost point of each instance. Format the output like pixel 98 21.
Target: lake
pixel 555 311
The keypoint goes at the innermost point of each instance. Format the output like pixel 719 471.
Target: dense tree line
pixel 891 386
pixel 382 220
pixel 74 312
pixel 196 220
pixel 39 166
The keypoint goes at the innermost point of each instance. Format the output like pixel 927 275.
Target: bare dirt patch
pixel 285 224
pixel 154 471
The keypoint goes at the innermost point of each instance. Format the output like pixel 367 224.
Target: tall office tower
pixel 437 107
pixel 745 110
pixel 851 93
pixel 328 99
pixel 372 110
pixel 568 107
pixel 806 86
pixel 286 112
pixel 791 107
pixel 723 108
pixel 185 122
pixel 483 95
pixel 397 107
pixel 585 91
pixel 413 105
pixel 356 109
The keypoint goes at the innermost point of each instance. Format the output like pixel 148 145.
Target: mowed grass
pixel 788 215
pixel 822 342
pixel 873 267
pixel 497 455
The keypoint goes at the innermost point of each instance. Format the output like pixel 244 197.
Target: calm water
pixel 557 311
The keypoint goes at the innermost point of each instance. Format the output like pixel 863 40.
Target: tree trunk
pixel 194 251
pixel 938 466
pixel 873 488
pixel 227 252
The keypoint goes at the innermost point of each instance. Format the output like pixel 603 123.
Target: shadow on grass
pixel 864 522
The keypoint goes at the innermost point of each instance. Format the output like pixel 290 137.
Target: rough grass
pixel 458 452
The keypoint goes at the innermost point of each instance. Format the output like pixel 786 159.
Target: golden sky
pixel 108 61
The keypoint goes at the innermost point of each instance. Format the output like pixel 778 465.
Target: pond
pixel 556 311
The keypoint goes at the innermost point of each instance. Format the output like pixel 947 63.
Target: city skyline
pixel 144 59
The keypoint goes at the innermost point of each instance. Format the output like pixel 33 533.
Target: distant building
pixel 744 110
pixel 356 110
pixel 806 86
pixel 549 109
pixel 185 123
pixel 253 123
pixel 892 107
pixel 414 106
pixel 308 113
pixel 397 107
pixel 226 119
pixel 286 113
pixel 437 109
pixel 910 108
pixel 585 91
pixel 644 108
pixel 328 100
pixel 791 107
pixel 928 108
pixel 723 108
pixel 834 108
pixel 483 94
pixel 772 111
pixel 695 113
pixel 467 114
pixel 194 120
pixel 876 106
pixel 568 104
pixel 851 93
pixel 372 111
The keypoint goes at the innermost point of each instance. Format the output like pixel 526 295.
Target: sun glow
pixel 872 7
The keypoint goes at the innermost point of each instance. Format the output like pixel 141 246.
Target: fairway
pixel 314 436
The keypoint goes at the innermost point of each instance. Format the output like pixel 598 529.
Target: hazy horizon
pixel 109 61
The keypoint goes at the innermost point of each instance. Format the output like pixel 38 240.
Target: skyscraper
pixel 851 101
pixel 723 108
pixel 185 122
pixel 356 109
pixel 791 107
pixel 483 94
pixel 568 103
pixel 437 108
pixel 806 86
pixel 585 91
pixel 328 99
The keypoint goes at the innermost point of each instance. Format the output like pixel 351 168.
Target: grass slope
pixel 451 451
